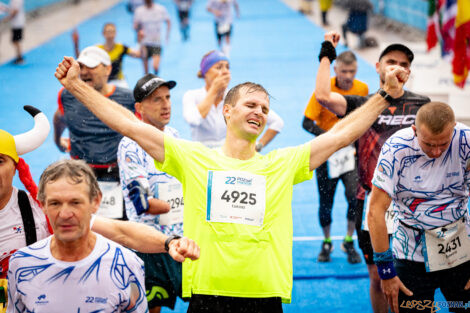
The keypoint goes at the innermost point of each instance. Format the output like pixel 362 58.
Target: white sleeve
pixel 384 174
pixel 136 289
pixel 274 121
pixel 14 297
pixel 191 113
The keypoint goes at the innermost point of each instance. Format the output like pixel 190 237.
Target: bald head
pixel 435 116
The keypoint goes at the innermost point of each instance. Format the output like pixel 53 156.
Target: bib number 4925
pixel 241 197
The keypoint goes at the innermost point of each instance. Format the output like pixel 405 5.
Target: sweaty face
pixel 392 58
pixel 247 118
pixel 96 77
pixel 109 33
pixel 156 108
pixel 219 68
pixel 345 74
pixel 7 172
pixel 69 209
pixel 434 145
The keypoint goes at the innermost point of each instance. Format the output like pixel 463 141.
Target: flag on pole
pixel 433 27
pixel 461 61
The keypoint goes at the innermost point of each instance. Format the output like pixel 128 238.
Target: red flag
pixel 433 24
pixel 461 61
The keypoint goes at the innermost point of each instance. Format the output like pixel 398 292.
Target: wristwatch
pixel 384 94
pixel 168 240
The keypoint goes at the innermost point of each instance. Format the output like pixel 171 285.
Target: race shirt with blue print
pixel 136 164
pixel 109 279
pixel 426 192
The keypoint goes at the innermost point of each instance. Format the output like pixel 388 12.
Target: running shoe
pixel 325 252
pixel 353 256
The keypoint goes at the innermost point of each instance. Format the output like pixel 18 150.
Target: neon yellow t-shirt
pixel 238 260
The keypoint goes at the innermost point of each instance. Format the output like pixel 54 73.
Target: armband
pixel 384 262
pixel 138 195
pixel 327 50
pixel 386 270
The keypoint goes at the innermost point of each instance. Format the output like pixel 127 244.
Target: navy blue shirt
pixel 90 139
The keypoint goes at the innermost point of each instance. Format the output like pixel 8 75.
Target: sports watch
pixel 168 240
pixel 384 94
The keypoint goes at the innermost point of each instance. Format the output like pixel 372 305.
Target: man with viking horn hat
pixel 23 221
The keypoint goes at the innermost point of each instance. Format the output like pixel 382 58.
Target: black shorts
pixel 423 285
pixel 183 15
pixel 163 277
pixel 222 33
pixel 16 34
pixel 151 50
pixel 221 304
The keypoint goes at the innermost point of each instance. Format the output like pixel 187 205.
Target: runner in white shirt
pixel 74 269
pixel 202 108
pixel 149 192
pixel 110 278
pixel 424 171
pixel 222 11
pixel 148 20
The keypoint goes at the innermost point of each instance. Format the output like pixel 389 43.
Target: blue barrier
pixel 411 12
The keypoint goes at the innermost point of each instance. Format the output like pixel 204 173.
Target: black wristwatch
pixel 384 94
pixel 168 240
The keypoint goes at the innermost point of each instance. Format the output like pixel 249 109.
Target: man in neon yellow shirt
pixel 237 202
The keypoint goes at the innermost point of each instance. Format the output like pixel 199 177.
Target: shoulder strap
pixel 28 218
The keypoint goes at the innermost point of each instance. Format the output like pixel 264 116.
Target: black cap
pixel 398 47
pixel 147 84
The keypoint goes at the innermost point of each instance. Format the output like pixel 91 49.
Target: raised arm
pixel 144 238
pixel 333 101
pixel 112 114
pixel 350 128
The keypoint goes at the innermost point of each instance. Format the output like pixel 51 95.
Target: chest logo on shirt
pixel 17 229
pixel 418 179
pixel 396 119
pixel 42 300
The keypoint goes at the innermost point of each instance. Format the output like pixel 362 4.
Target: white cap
pixel 92 57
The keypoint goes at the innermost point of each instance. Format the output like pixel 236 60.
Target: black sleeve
pixel 312 127
pixel 353 102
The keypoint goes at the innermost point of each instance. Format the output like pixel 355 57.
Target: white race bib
pixel 112 202
pixel 446 247
pixel 172 193
pixel 389 216
pixel 223 28
pixel 236 197
pixel 342 161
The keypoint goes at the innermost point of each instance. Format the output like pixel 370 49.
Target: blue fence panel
pixel 410 12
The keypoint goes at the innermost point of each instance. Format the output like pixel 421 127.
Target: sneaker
pixel 325 252
pixel 353 256
pixel 18 61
